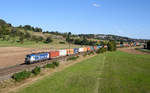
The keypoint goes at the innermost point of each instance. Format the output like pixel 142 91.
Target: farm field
pixel 112 72
pixel 143 50
pixel 133 50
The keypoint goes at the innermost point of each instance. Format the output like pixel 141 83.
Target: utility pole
pixel 68 39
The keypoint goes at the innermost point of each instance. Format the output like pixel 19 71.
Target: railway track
pixel 7 73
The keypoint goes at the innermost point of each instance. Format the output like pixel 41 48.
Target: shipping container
pixel 63 52
pixel 70 51
pixel 126 45
pixel 92 48
pixel 76 50
pixel 121 45
pixel 81 49
pixel 98 47
pixel 54 54
pixel 95 47
pixel 88 48
pixel 85 49
pixel 105 46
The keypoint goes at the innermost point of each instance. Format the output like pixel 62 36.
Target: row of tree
pixel 148 45
pixel 81 41
pixel 31 28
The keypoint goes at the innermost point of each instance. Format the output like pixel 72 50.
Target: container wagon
pixel 53 54
pixel 63 52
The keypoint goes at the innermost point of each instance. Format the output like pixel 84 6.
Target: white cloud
pixel 96 5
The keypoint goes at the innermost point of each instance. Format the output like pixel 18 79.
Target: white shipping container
pixel 62 52
pixel 81 49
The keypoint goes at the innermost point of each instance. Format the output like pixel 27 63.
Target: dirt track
pixel 10 56
pixel 132 50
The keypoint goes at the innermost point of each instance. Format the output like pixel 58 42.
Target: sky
pixel 129 18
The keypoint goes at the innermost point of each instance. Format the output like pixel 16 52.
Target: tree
pixel 21 38
pixel 148 45
pixel 20 26
pixel 68 37
pixel 2 22
pixel 77 41
pixel 37 29
pixel 27 27
pixel 85 41
pixel 48 40
pixel 111 46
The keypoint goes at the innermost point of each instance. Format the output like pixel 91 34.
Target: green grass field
pixel 112 72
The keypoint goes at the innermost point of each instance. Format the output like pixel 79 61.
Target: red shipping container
pixel 95 47
pixel 88 48
pixel 53 54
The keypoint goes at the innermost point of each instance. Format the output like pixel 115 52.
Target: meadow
pixel 111 72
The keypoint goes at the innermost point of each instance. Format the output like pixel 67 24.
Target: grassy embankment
pixel 113 72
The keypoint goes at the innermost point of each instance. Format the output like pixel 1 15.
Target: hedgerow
pixel 101 50
pixel 36 70
pixel 56 63
pixel 91 53
pixel 21 75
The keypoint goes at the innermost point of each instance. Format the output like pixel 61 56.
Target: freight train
pixel 32 58
pixel 129 45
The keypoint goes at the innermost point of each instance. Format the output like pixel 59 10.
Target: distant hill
pixel 29 35
pixel 111 37
pixel 118 38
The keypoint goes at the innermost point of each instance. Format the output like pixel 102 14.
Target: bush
pixel 21 75
pixel 49 66
pixel 56 63
pixel 91 53
pixel 61 42
pixel 73 58
pixel 48 40
pixel 36 70
pixel 101 50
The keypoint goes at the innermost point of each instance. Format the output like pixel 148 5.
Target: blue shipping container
pixel 92 48
pixel 76 50
pixel 99 46
pixel 121 45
